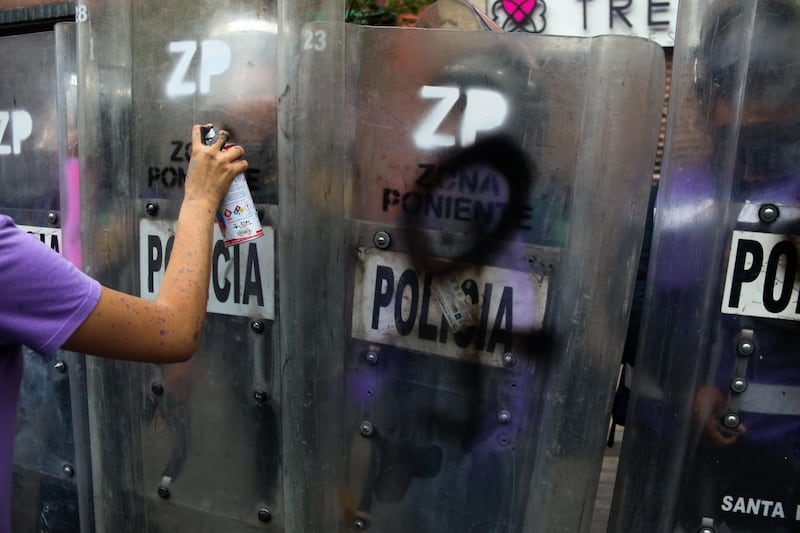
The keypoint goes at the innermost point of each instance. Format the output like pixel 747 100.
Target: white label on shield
pixel 396 304
pixel 242 276
pixel 50 237
pixel 761 280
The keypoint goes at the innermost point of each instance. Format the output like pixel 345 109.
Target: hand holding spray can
pixel 236 215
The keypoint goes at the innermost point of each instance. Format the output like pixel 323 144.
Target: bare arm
pixel 168 329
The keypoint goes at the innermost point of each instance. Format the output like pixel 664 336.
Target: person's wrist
pixel 204 204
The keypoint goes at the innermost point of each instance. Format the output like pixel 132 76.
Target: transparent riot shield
pixel 493 188
pixel 194 446
pixel 38 173
pixel 713 431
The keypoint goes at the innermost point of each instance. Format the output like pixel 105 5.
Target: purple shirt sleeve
pixel 43 297
pixel 43 300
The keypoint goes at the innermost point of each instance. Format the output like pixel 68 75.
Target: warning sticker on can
pixel 761 280
pixel 242 276
pixel 471 313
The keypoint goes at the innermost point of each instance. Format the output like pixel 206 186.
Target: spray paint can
pixel 237 217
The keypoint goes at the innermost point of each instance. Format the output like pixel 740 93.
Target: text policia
pixel 762 277
pixel 242 276
pixel 399 305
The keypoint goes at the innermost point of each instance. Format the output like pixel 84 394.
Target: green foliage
pixel 384 13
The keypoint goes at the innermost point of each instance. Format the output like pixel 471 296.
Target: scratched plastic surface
pixel 332 389
pixel 482 333
pixel 38 167
pixel 712 434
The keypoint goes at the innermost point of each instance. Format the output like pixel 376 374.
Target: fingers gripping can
pixel 237 217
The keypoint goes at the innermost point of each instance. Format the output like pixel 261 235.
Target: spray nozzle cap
pixel 209 134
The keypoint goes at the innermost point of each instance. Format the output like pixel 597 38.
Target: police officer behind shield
pixel 49 304
pixel 744 474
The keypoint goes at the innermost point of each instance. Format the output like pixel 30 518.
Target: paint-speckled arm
pixel 168 329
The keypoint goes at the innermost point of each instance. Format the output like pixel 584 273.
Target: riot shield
pixel 712 433
pixel 493 189
pixel 38 180
pixel 194 446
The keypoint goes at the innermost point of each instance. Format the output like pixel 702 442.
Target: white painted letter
pixel 727 503
pixel 486 110
pixel 21 128
pixel 215 59
pixel 426 137
pixel 176 85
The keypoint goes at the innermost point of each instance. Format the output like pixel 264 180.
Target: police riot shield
pixel 493 189
pixel 38 176
pixel 712 434
pixel 194 446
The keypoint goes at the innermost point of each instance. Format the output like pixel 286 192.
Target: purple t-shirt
pixel 43 300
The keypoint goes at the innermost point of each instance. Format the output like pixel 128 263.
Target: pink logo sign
pixel 520 15
pixel 519 10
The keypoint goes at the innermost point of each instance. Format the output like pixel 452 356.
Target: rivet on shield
pixel 68 470
pixel 52 217
pixel 258 326
pixel 359 523
pixel 745 347
pixel 371 358
pixel 163 487
pixel 264 515
pixel 366 428
pixel 509 360
pixel 60 366
pixel 739 384
pixel 707 525
pixel 504 416
pixel 768 213
pixel 382 240
pixel 151 208
pixel 157 389
pixel 731 420
pixel 260 396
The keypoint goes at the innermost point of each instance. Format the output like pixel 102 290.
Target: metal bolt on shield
pixel 151 208
pixel 706 525
pixel 163 488
pixel 382 240
pixel 60 366
pixel 768 213
pixel 366 428
pixel 739 384
pixel 731 420
pixel 746 347
pixel 264 515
